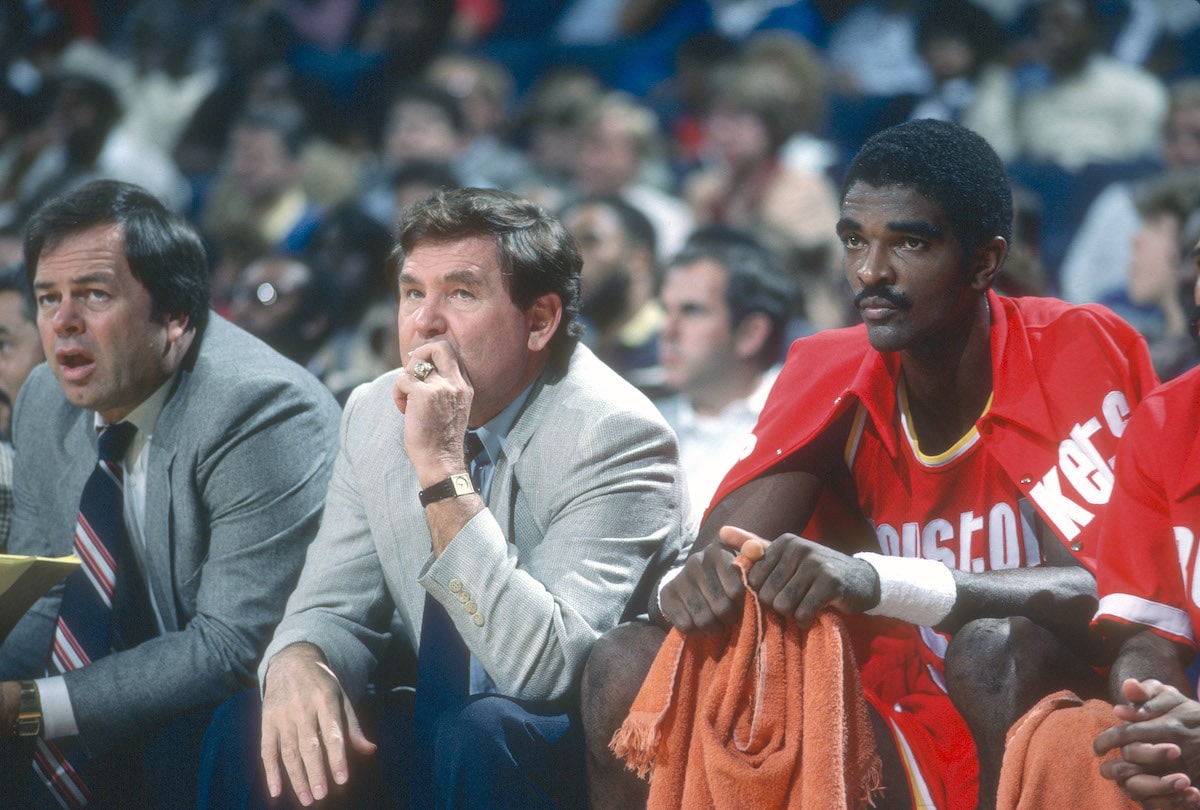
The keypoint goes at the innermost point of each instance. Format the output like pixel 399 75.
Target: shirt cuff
pixel 58 717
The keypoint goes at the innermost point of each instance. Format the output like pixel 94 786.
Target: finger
pixel 780 569
pixel 1135 691
pixel 1118 770
pixel 293 763
pixel 1147 786
pixel 1152 756
pixel 400 391
pixel 358 740
pixel 1159 730
pixel 269 754
pixel 736 538
pixel 708 592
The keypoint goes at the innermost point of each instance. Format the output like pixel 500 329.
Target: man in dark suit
pixel 223 484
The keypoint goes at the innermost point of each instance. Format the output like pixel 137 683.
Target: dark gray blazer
pixel 587 507
pixel 237 471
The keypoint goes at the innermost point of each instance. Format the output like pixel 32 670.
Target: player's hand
pixel 798 577
pixel 307 721
pixel 1159 744
pixel 706 595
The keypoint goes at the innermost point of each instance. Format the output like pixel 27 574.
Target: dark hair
pixel 756 281
pixel 537 254
pixel 948 164
pixel 164 252
pixel 637 226
pixel 13 279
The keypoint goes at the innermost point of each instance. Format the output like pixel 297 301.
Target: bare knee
pixel 1001 667
pixel 613 675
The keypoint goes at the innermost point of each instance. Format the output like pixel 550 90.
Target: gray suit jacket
pixel 587 504
pixel 237 471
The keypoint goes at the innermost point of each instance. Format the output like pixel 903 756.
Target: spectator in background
pixel 417 179
pixel 873 61
pixel 1160 274
pixel 81 140
pixel 288 304
pixel 726 301
pixel 621 153
pixel 484 89
pixel 755 109
pixel 961 46
pixel 20 345
pixel 352 249
pixel 20 352
pixel 1097 259
pixel 1091 108
pixel 261 180
pixel 617 303
pixel 154 75
pixel 425 123
pixel 550 126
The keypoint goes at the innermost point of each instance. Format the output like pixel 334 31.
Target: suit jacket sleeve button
pixel 478 619
pixel 455 585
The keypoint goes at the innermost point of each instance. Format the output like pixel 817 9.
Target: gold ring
pixel 422 369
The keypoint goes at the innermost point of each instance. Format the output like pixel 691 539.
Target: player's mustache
pixel 885 292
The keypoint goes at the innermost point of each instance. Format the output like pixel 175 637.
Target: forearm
pixel 1062 600
pixel 1146 655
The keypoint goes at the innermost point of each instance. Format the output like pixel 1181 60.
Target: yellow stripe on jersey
pixel 945 457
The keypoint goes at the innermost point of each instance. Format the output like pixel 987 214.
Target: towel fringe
pixel 637 740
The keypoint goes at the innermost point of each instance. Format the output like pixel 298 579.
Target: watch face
pixel 462 484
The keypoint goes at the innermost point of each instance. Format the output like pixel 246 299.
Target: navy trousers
pixel 190 762
pixel 491 752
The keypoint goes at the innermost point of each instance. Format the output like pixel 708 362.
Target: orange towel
pixel 1048 759
pixel 762 717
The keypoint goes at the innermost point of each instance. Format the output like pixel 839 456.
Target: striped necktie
pixel 102 606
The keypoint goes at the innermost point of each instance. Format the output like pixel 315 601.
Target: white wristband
pixel 912 589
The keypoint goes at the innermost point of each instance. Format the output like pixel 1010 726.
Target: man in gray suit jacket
pixel 579 504
pixel 224 482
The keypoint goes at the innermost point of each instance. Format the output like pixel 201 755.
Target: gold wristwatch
pixel 29 712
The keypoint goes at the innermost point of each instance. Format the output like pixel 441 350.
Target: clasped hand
pixel 1159 744
pixel 791 575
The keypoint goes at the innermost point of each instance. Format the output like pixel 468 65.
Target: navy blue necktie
pixel 103 606
pixel 443 664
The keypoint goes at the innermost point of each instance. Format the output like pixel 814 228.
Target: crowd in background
pixel 293 132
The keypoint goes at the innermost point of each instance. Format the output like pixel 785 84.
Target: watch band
pixel 451 487
pixel 29 712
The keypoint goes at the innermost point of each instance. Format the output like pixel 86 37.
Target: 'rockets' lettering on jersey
pixel 1084 467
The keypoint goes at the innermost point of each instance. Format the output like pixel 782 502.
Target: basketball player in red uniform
pixel 972 435
pixel 1149 581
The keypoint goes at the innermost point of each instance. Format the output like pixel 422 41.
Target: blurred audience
pixel 20 352
pixel 283 301
pixel 1160 275
pixel 1097 259
pixel 726 301
pixel 621 152
pixel 261 183
pixel 1085 106
pixel 485 92
pixel 618 282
